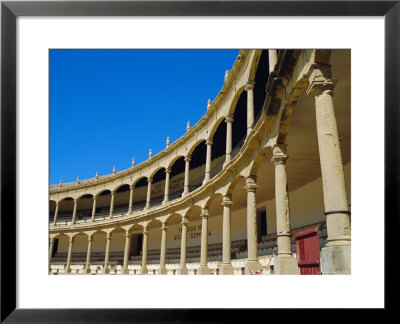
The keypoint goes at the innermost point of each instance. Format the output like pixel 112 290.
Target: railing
pixel 217 168
pixel 238 146
pixel 257 118
pixel 196 184
pixel 175 195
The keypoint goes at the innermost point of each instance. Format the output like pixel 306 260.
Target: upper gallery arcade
pixel 270 156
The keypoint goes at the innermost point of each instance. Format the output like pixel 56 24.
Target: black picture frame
pixel 10 10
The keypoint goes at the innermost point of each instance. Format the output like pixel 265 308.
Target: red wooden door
pixel 307 252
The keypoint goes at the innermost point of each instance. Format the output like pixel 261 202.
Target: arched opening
pixel 260 80
pixel 84 208
pixel 154 243
pixel 197 166
pixel 136 247
pixel 177 179
pixel 214 228
pixel 218 149
pixel 65 210
pixel 52 210
pixel 121 200
pixel 139 194
pixel 158 188
pixel 173 239
pixel 103 204
pixel 239 125
pixel 193 235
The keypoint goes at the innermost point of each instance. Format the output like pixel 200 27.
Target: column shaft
pixel 55 214
pixel 130 199
pixel 51 250
pixel 126 253
pixel 282 201
pixel 273 59
pixel 163 249
pixel 226 230
pixel 148 197
pixel 204 242
pixel 144 251
pixel 166 190
pixel 69 257
pixel 111 206
pixel 252 252
pixel 250 106
pixel 208 160
pixel 94 209
pixel 228 149
pixel 187 168
pixel 74 211
pixel 182 266
pixel 107 256
pixel 89 253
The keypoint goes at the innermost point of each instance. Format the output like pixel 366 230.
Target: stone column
pixel 74 212
pixel 226 268
pixel 107 256
pixel 51 251
pixel 204 270
pixel 131 187
pixel 148 197
pixel 250 106
pixel 166 190
pixel 56 214
pixel 112 205
pixel 163 251
pixel 285 263
pixel 252 248
pixel 187 167
pixel 69 257
pixel 144 251
pixel 228 150
pixel 94 208
pixel 89 253
pixel 125 270
pixel 336 255
pixel 209 143
pixel 182 267
pixel 273 59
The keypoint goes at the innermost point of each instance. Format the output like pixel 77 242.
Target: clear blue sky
pixel 107 106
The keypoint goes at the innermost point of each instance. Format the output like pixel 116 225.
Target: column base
pixel 182 271
pixel 226 269
pixel 88 271
pixel 252 267
pixel 285 265
pixel 336 258
pixel 162 271
pixel 106 271
pixel 143 271
pixel 204 270
pixel 125 271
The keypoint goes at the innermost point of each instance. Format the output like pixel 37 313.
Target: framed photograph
pixel 251 203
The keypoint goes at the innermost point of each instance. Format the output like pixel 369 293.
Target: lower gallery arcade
pixel 263 164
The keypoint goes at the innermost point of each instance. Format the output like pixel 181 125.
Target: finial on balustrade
pixel 114 170
pixel 133 162
pixel 77 180
pixel 97 176
pixel 167 141
pixel 226 75
pixel 60 183
pixel 150 154
pixel 208 103
pixel 188 126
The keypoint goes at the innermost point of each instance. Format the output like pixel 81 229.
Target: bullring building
pixel 260 185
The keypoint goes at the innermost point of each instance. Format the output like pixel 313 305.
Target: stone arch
pixel 139 180
pixel 235 99
pixel 213 197
pixel 233 184
pixel 155 171
pixel 195 145
pixel 258 160
pixel 215 127
pixel 193 212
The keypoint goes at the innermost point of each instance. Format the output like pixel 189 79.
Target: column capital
pixel 229 119
pixel 168 170
pixel 251 184
pixel 109 235
pixel 249 85
pixel 185 221
pixel 188 158
pixel 227 201
pixel 90 238
pixel 132 186
pixel 320 79
pixel 279 155
pixel 57 203
pixel 94 197
pixel 204 213
pixel 209 141
pixel 149 180
pixel 112 193
pixel 71 239
pixel 164 227
pixel 127 234
pixel 145 230
pixel 51 239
